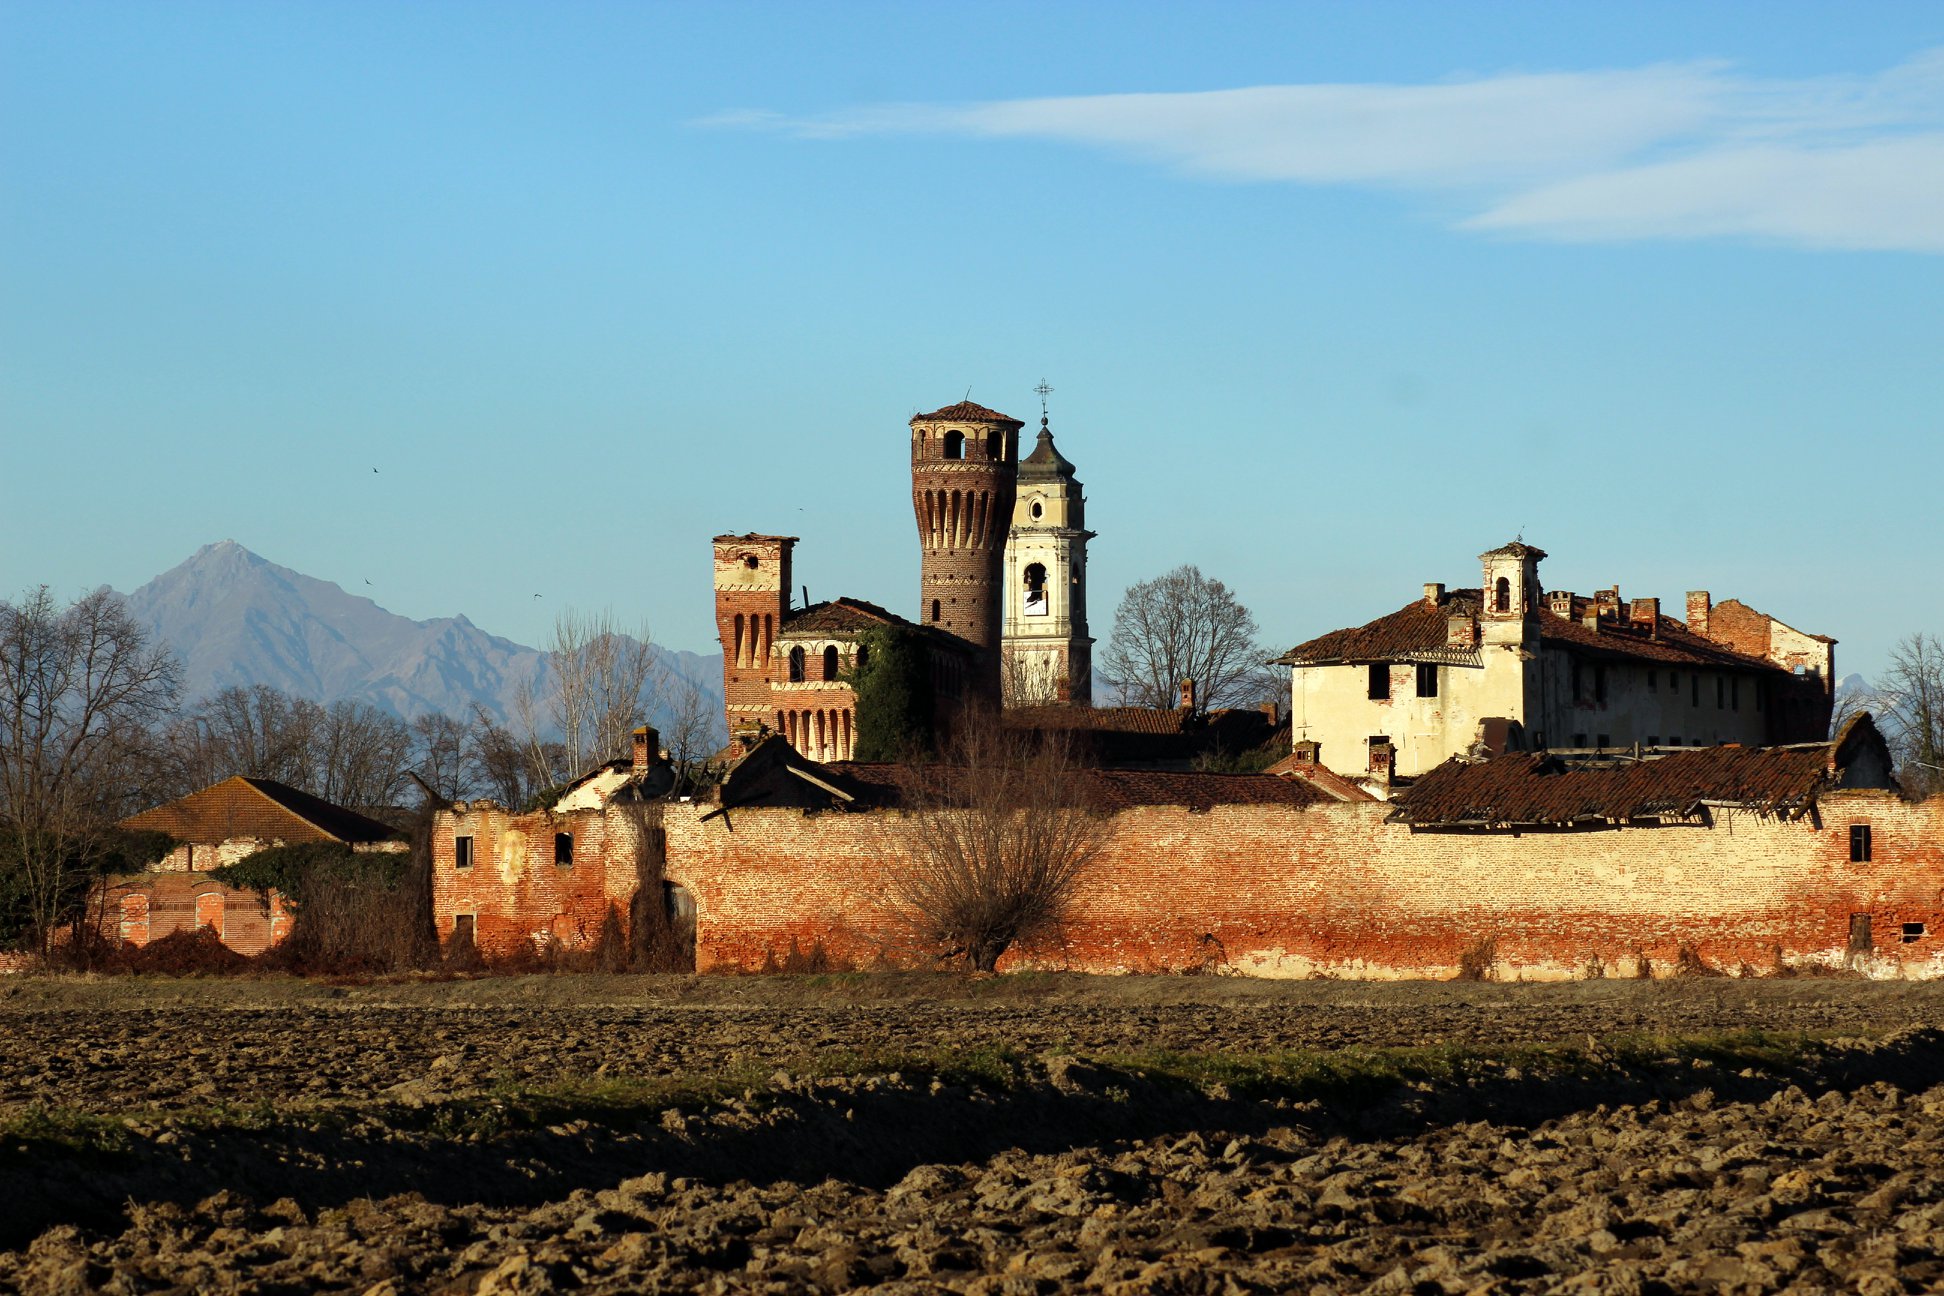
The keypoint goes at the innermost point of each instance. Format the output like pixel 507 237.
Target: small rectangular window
pixel 1860 843
pixel 563 848
pixel 1602 741
pixel 1579 740
pixel 1379 681
pixel 462 852
pixel 1673 740
pixel 1653 740
pixel 1912 933
pixel 462 931
pixel 1427 680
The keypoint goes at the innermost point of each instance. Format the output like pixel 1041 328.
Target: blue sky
pixel 1333 297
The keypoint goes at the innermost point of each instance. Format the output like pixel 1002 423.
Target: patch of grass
pixel 37 1131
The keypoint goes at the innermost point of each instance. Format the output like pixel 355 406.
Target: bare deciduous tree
pixel 348 752
pixel 1187 626
pixel 1911 697
pixel 600 682
pixel 81 689
pixel 439 755
pixel 1000 844
pixel 693 731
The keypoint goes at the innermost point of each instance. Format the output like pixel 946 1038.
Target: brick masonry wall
pixel 1335 891
pixel 514 891
pixel 145 907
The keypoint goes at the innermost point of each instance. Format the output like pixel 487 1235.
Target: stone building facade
pixel 1509 664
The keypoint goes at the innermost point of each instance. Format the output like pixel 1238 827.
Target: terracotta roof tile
pixel 1416 627
pixel 846 615
pixel 966 411
pixel 257 808
pixel 1537 788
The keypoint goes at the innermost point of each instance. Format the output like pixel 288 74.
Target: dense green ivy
pixel 894 695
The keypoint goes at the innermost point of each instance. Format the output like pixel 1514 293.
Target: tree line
pixel 93 728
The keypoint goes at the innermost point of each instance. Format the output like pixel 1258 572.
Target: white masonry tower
pixel 1046 653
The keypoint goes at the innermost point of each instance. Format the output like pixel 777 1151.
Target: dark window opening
pixel 830 662
pixel 934 609
pixel 1502 595
pixel 1579 740
pixel 955 445
pixel 563 848
pixel 1673 681
pixel 750 561
pixel 1653 680
pixel 1912 933
pixel 863 658
pixel 1674 740
pixel 1653 740
pixel 462 931
pixel 1379 681
pixel 461 852
pixel 1602 740
pixel 796 665
pixel 995 445
pixel 1427 680
pixel 1860 844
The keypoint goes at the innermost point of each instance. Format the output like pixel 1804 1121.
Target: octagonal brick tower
pixel 964 477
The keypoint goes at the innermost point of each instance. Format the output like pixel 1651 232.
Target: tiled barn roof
pixel 1419 628
pixel 841 616
pixel 257 808
pixel 966 412
pixel 1125 719
pixel 1537 788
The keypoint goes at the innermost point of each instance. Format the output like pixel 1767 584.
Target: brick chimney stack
pixel 647 747
pixel 1646 612
pixel 1433 593
pixel 1187 695
pixel 1699 605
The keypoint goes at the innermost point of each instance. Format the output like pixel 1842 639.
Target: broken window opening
pixel 1912 933
pixel 1427 680
pixel 462 931
pixel 1379 681
pixel 1035 601
pixel 796 665
pixel 751 561
pixel 830 663
pixel 995 445
pixel 564 849
pixel 462 855
pixel 1860 844
pixel 955 445
pixel 1860 941
pixel 1602 741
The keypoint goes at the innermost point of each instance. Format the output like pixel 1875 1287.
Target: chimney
pixel 1591 617
pixel 1307 752
pixel 1461 630
pixel 647 747
pixel 1383 758
pixel 1645 612
pixel 1560 603
pixel 1699 606
pixel 1433 593
pixel 1608 600
pixel 1187 695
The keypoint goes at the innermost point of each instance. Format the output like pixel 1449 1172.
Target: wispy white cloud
pixel 1669 151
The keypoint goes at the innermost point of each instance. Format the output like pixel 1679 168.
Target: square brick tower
pixel 752 593
pixel 964 480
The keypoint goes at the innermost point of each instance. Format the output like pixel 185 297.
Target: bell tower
pixel 964 465
pixel 1510 592
pixel 1047 652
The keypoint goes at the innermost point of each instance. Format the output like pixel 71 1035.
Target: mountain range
pixel 234 617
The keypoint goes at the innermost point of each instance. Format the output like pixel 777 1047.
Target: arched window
pixel 955 445
pixel 995 445
pixel 1035 601
pixel 796 665
pixel 934 611
pixel 830 662
pixel 1502 596
pixel 863 658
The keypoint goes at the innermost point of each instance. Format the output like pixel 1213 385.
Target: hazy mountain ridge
pixel 235 617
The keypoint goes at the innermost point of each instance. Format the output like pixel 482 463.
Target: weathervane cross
pixel 1044 391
